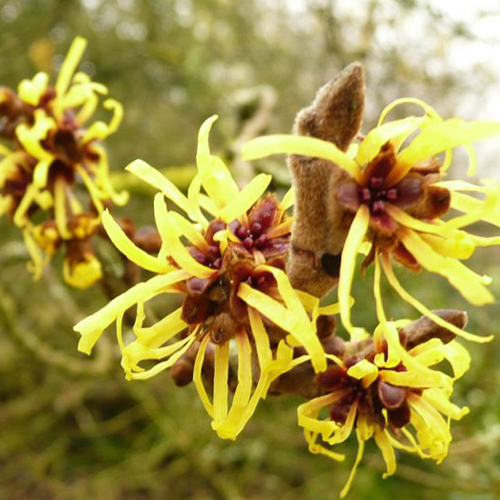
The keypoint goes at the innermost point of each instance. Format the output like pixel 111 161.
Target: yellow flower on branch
pixel 402 407
pixel 237 298
pixel 54 150
pixel 396 198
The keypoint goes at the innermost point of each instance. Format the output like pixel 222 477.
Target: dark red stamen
pixel 261 241
pixel 242 232
pixel 378 206
pixel 213 251
pixel 392 194
pixel 256 228
pixel 376 182
pixel 248 242
pixel 198 255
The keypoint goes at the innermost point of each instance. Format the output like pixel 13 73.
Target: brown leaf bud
pixel 320 231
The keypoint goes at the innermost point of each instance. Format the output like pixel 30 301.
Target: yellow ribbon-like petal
pixel 70 64
pixel 30 91
pixel 300 145
pixel 355 238
pixel 129 249
pixel 439 137
pixel 154 178
pixel 92 327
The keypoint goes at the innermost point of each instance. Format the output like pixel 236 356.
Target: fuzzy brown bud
pixel 320 230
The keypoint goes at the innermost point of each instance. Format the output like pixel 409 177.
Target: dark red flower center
pixel 372 401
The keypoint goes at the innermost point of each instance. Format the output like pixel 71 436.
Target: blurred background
pixel 71 428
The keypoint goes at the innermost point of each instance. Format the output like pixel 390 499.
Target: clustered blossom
pixel 52 151
pixel 397 197
pixel 230 272
pixel 404 406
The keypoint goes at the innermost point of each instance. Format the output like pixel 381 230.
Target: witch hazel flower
pixel 53 149
pixel 403 406
pixel 225 257
pixel 395 202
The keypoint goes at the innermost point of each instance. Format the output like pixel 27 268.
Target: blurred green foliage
pixel 71 428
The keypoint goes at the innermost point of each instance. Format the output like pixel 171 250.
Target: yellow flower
pixel 53 149
pixel 81 268
pixel 397 197
pixel 403 407
pixel 237 297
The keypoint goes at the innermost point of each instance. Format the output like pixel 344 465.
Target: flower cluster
pixel 237 296
pixel 52 151
pixel 244 328
pixel 404 406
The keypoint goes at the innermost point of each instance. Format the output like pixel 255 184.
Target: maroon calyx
pixel 371 401
pixel 391 396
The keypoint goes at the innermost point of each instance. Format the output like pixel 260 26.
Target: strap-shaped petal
pixel 261 338
pixel 458 357
pixel 239 204
pixel 100 130
pixel 155 179
pixel 162 331
pixel 82 274
pixel 354 240
pixel 438 399
pixel 364 370
pixel 237 416
pixel 288 200
pixel 30 137
pixel 215 176
pixel 180 253
pixel 476 209
pixel 390 131
pixel 197 376
pixel 359 457
pixel 20 218
pixel 96 194
pixel 428 109
pixel 344 431
pixel 37 259
pixel 300 145
pixel 129 249
pixel 307 414
pixel 30 91
pixel 381 437
pixel 194 211
pixel 92 327
pixel 161 221
pixel 70 64
pixel 292 318
pixel 407 297
pixel 439 137
pixel 221 371
pixel 174 353
pixel 388 330
pixel 60 208
pixel 465 281
pixel 6 203
pixel 190 231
